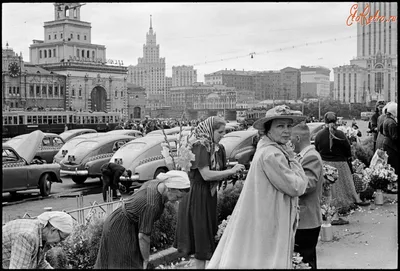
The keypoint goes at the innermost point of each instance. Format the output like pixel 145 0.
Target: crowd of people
pixel 278 211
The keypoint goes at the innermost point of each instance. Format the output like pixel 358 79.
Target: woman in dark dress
pixel 335 150
pixel 125 240
pixel 197 215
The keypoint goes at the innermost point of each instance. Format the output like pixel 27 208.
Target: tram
pixel 254 114
pixel 22 122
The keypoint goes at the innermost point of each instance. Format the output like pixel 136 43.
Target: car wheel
pixel 160 170
pixel 79 179
pixel 45 185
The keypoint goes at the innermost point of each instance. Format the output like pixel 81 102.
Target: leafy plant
pixel 227 199
pixel 163 234
pixel 363 151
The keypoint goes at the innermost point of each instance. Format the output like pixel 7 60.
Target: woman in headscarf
pixel 260 232
pixel 125 240
pixel 197 215
pixel 390 132
pixel 24 239
pixel 381 120
pixel 335 151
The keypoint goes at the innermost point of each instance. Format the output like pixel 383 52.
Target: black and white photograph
pixel 200 135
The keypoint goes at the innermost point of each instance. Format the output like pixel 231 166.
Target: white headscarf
pixel 60 220
pixel 175 179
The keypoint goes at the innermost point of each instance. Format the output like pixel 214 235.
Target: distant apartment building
pixel 314 81
pixel 266 83
pixel 241 80
pixel 290 88
pixel 168 86
pixel 183 76
pixel 376 61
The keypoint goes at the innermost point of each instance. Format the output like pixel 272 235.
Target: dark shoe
pixel 339 222
pixel 363 203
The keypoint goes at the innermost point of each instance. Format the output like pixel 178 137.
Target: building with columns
pixel 372 75
pixel 92 81
pixel 150 72
pixel 26 86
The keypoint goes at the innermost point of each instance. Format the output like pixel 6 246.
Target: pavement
pixel 369 241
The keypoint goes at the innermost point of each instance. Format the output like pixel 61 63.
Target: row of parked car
pixel 38 159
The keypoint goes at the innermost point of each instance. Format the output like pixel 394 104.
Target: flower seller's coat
pixel 260 232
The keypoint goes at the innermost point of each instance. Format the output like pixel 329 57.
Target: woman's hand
pixel 237 168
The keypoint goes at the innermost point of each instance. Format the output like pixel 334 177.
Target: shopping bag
pixel 380 157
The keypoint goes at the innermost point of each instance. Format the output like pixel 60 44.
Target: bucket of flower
pixel 379 178
pixel 327 209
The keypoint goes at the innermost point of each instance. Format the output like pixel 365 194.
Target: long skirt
pixel 119 244
pixel 343 190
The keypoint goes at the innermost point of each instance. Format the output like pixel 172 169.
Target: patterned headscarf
pixel 331 119
pixel 204 134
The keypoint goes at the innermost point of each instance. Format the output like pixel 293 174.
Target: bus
pixel 366 115
pixel 23 122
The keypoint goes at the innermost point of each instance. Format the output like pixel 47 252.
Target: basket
pixel 358 183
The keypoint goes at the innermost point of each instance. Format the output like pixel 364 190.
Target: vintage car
pixel 143 157
pixel 130 132
pixel 239 147
pixel 21 171
pixel 68 135
pixel 50 145
pixel 86 158
pixel 171 131
pixel 72 143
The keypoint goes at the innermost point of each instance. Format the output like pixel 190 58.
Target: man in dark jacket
pixel 110 176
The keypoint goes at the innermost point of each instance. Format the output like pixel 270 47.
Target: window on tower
pixel 78 37
pixel 61 35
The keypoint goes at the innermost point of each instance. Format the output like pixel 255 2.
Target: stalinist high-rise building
pixel 372 75
pixel 149 73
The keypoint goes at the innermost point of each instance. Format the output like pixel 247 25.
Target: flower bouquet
pixel 350 133
pixel 182 157
pixel 380 176
pixel 331 174
pixel 298 263
pixel 221 228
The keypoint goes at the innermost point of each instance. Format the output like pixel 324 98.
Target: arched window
pixel 78 37
pixel 80 91
pixel 116 93
pixel 72 36
pixel 55 36
pixel 49 37
pixel 83 53
pixel 49 52
pixel 84 37
pixel 40 54
pixel 88 54
pixel 73 91
pixel 45 54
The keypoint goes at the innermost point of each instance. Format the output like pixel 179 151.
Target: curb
pixel 165 256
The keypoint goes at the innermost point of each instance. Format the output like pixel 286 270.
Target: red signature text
pixel 364 17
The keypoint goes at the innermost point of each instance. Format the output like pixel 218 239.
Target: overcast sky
pixel 222 34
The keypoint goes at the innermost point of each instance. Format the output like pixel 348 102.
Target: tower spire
pixel 151 27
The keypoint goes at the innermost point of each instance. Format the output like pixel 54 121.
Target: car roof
pixel 51 134
pixel 153 140
pixel 106 139
pixel 242 133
